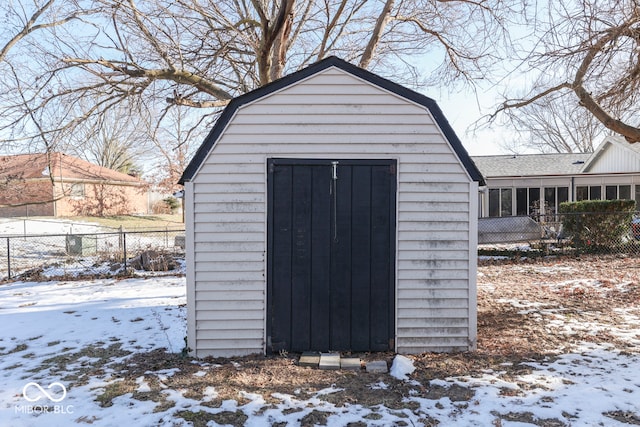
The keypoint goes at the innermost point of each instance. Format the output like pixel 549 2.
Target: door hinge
pixel 392 169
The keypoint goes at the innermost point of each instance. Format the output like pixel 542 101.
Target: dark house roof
pixel 531 164
pixel 332 61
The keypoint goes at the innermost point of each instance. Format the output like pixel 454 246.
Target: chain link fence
pixel 108 253
pixel 574 233
pixel 36 256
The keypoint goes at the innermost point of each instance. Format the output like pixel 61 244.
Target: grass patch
pixel 199 419
pixel 97 358
pixel 14 366
pixel 16 349
pixel 113 390
pixel 236 419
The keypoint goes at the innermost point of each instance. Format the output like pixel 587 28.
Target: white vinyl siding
pixel 332 115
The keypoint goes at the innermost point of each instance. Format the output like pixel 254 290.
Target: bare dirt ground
pixel 527 311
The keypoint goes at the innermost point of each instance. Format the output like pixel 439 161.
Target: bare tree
pixel 163 54
pixel 174 145
pixel 555 124
pixel 589 49
pixel 115 140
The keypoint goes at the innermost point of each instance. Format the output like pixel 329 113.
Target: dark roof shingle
pixel 531 164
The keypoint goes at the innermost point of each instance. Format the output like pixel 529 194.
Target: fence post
pixel 124 249
pixel 8 259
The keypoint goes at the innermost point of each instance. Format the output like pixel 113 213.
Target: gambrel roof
pixel 318 67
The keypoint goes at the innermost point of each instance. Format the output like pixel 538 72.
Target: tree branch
pixel 374 40
pixel 178 76
pixel 631 133
pixel 30 26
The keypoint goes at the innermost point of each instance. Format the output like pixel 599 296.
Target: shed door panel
pixel 331 255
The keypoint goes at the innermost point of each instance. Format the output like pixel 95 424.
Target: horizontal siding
pixel 228 347
pixel 357 143
pixel 328 119
pixel 287 110
pixel 226 316
pixel 419 294
pixel 438 315
pixel 331 115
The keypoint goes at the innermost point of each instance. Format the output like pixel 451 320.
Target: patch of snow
pixel 209 394
pixel 21 227
pixel 328 390
pixel 143 386
pixel 61 319
pixel 402 367
pixel 379 386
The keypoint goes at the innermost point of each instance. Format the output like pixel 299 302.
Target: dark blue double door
pixel 331 255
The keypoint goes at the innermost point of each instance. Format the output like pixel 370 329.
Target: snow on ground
pixel 71 247
pixel 401 367
pixel 20 227
pixel 62 341
pixel 85 322
pixel 48 320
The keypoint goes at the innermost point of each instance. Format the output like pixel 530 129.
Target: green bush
pixel 597 224
pixel 172 203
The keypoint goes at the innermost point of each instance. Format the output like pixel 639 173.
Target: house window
pixel 624 192
pixel 506 202
pixel 637 194
pixel 550 200
pixel 500 202
pixel 534 201
pixel 593 192
pixel 563 194
pixel 613 192
pixel 494 202
pixel 527 201
pixel 582 193
pixel 522 201
pixel 553 196
pixel 76 191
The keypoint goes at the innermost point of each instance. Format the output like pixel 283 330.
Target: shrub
pixel 597 224
pixel 172 203
pixel 167 205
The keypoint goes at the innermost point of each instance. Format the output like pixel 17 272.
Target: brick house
pixel 59 185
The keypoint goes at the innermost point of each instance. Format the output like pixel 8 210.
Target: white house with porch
pixel 535 184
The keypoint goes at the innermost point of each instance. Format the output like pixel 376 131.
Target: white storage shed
pixel 331 210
